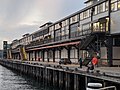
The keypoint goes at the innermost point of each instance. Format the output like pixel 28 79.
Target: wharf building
pixel 94 28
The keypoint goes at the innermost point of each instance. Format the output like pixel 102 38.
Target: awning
pixel 59 45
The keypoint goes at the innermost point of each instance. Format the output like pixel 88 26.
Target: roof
pixel 59 45
pixel 48 23
pixel 87 1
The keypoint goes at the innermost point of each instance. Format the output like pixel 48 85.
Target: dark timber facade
pixel 93 29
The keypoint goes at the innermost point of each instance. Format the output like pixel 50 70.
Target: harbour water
pixel 12 80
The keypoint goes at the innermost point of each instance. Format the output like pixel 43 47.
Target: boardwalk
pixel 109 72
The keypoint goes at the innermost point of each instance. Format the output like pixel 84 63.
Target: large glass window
pixel 79 30
pixel 65 32
pixel 102 25
pixel 85 28
pixel 65 28
pixel 57 35
pixel 73 30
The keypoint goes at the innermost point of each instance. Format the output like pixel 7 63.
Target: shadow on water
pixel 14 80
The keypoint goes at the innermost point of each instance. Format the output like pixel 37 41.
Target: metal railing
pixel 109 87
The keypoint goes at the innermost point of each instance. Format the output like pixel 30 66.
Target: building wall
pixel 101 15
pixel 103 58
pixel 115 22
pixel 85 21
pixel 116 55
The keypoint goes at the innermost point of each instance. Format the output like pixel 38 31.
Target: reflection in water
pixel 10 80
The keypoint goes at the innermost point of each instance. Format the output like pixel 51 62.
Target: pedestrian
pixel 80 62
pixel 94 61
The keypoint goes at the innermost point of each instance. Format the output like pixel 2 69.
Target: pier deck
pixel 66 73
pixel 107 71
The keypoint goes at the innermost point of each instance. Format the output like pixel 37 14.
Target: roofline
pixel 87 1
pixel 45 24
pixel 88 7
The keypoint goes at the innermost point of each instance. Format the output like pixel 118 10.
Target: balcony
pixel 48 40
pixel 99 31
pixel 76 34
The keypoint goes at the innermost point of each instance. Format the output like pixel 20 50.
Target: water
pixel 11 80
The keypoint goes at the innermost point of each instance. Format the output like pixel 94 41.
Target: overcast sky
pixel 18 17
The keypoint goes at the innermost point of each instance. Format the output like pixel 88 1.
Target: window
pixel 81 16
pixel 106 6
pixel 95 10
pixel 52 34
pixel 65 29
pixel 86 28
pixel 57 54
pixel 73 53
pixel 100 8
pixel 118 4
pixel 101 25
pixel 74 19
pixel 57 26
pixel 96 26
pixel 65 32
pixel 57 35
pixel 107 24
pixel 112 1
pixel 114 6
pixel 85 14
pixel 50 54
pixel 73 30
pixel 65 22
pixel 51 28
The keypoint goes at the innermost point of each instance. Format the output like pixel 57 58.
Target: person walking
pixel 94 61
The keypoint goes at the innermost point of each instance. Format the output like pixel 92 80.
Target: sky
pixel 18 17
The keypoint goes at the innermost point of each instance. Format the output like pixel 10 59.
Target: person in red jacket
pixel 94 61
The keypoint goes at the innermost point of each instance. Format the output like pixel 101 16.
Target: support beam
pixel 109 51
pixel 43 52
pixel 53 54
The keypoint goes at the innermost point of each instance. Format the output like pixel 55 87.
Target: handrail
pixel 110 87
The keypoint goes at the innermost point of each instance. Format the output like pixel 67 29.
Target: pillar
pixel 109 50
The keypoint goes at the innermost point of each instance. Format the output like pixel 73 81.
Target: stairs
pixel 86 42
